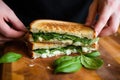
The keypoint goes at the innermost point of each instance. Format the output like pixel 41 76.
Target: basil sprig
pixel 91 63
pixel 67 64
pixel 10 57
pixel 70 64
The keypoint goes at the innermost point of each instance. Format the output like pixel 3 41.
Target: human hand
pixel 10 26
pixel 108 12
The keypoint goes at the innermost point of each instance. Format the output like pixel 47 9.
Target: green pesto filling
pixel 60 37
pixel 62 49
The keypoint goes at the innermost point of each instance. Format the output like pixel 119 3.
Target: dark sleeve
pixel 66 10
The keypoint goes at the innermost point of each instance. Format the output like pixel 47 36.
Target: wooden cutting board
pixel 42 69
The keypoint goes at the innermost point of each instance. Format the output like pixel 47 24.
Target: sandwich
pixel 50 38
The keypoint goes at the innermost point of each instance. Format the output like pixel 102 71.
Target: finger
pixel 3 38
pixel 92 13
pixel 16 23
pixel 102 20
pixel 1 43
pixel 112 27
pixel 8 31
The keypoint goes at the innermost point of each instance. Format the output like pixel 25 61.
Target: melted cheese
pixel 49 53
pixel 88 49
pixel 40 38
pixel 77 43
pixel 67 41
pixel 68 51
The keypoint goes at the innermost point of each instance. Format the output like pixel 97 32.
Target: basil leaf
pixel 62 59
pixel 68 66
pixel 91 63
pixel 47 36
pixel 85 41
pixel 10 57
pixel 69 37
pixel 93 54
pixel 79 49
pixel 57 49
pixel 35 37
pixel 94 40
pixel 40 51
pixel 70 47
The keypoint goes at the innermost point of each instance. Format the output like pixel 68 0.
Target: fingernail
pixel 96 33
pixel 25 29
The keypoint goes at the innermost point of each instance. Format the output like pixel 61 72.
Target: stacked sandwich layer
pixel 51 38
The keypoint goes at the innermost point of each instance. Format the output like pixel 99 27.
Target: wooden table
pixel 41 69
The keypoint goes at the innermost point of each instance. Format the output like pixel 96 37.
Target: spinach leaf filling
pixel 60 37
pixel 61 49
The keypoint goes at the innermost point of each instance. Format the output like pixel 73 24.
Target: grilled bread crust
pixel 62 27
pixel 45 45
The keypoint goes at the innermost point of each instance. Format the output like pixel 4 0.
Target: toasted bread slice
pixel 62 27
pixel 45 45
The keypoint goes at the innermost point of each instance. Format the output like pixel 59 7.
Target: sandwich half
pixel 51 38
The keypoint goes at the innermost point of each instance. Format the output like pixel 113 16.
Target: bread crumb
pixel 31 65
pixel 48 68
pixel 109 65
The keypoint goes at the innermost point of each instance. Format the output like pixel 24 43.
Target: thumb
pixel 92 13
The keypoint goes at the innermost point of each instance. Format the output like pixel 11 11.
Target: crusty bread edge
pixel 58 26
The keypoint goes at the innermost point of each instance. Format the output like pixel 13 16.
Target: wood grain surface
pixel 42 69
